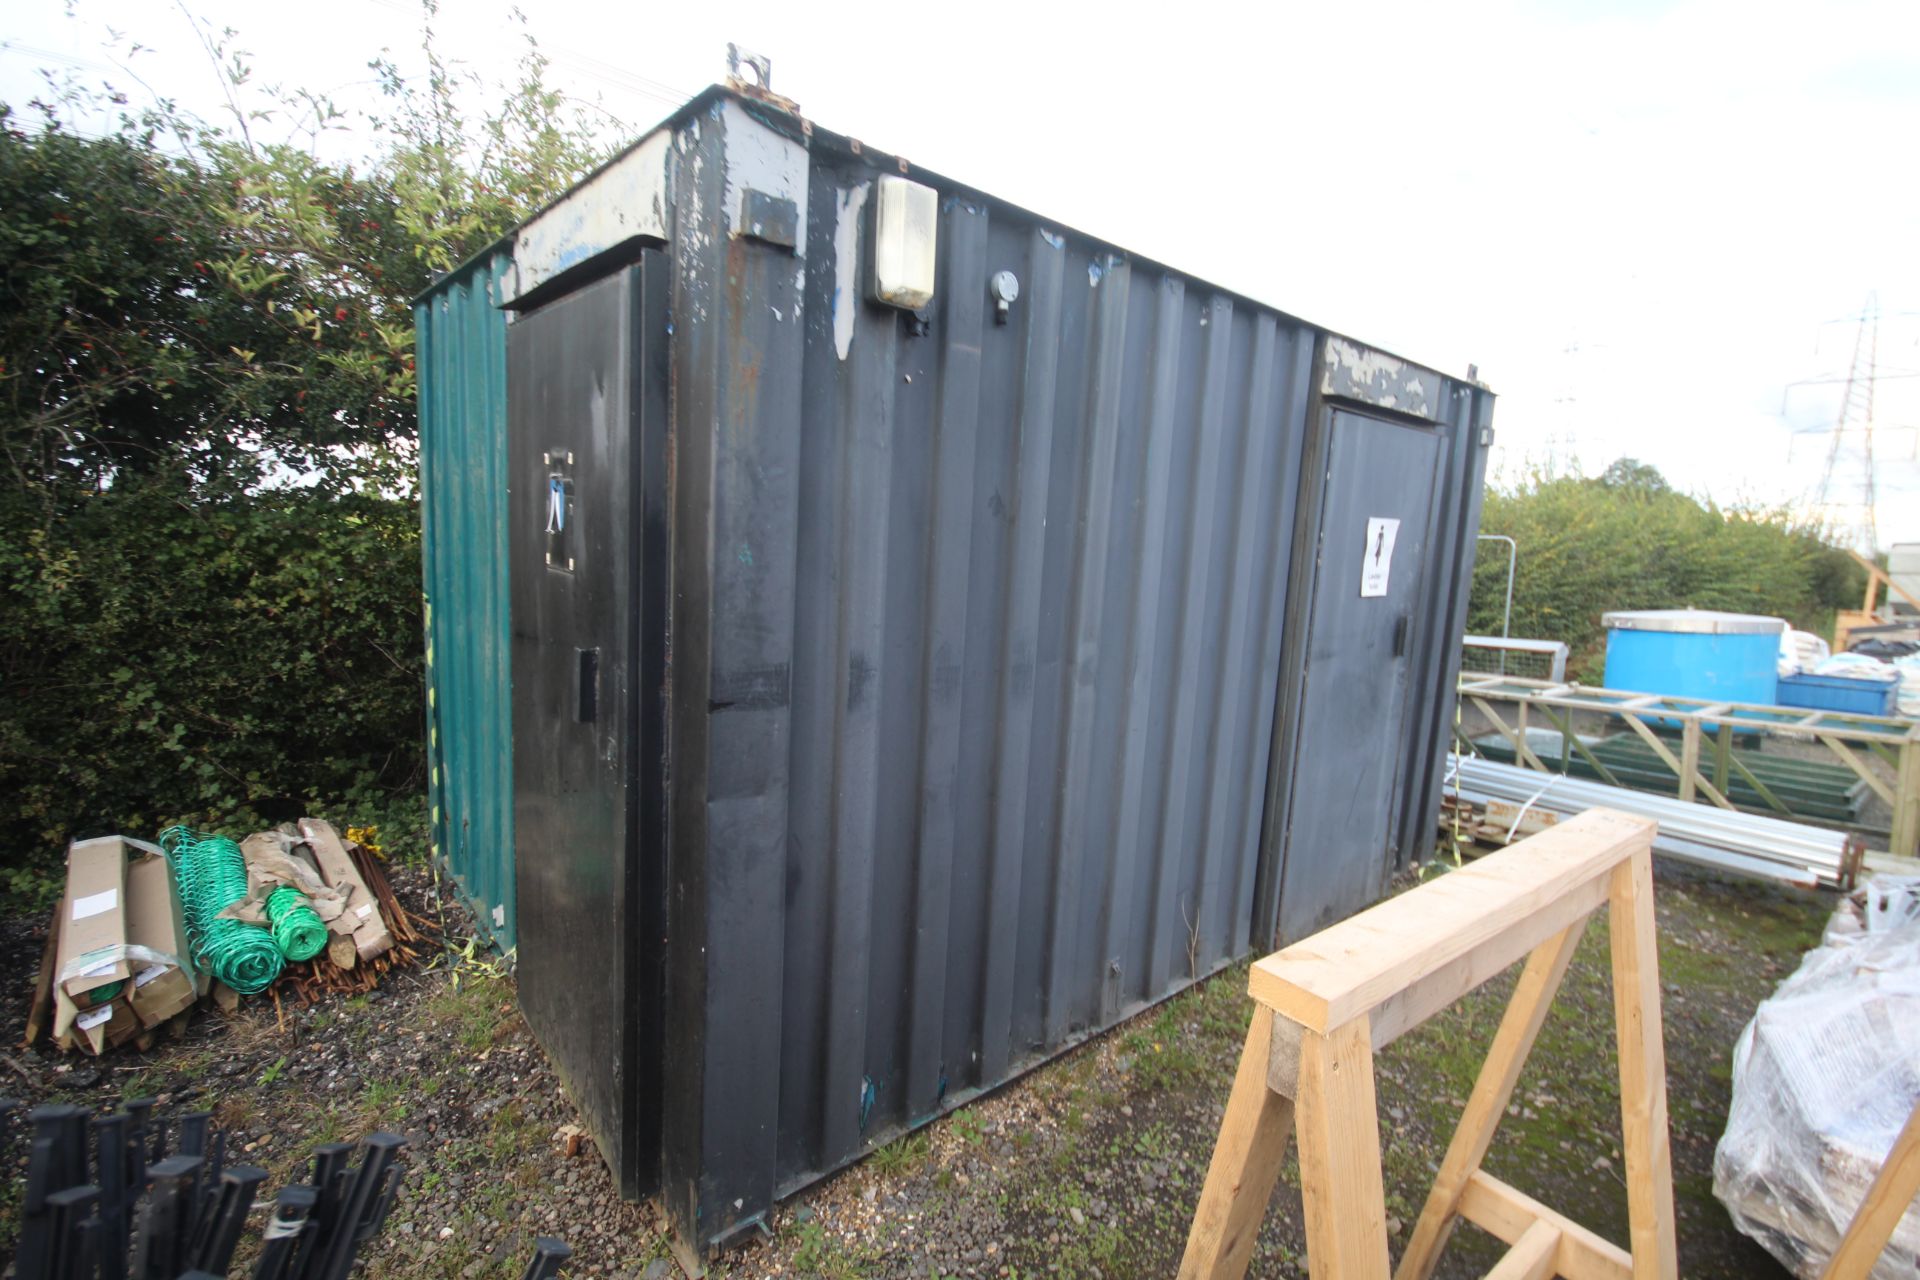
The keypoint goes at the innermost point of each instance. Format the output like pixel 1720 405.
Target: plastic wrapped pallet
pixel 1823 1079
pixel 1801 651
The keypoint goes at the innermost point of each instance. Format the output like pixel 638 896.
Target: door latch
pixel 558 514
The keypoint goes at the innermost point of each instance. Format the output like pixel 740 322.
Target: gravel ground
pixel 1088 1166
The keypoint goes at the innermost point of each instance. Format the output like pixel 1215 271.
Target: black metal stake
pixel 110 1175
pixel 291 1210
pixel 548 1256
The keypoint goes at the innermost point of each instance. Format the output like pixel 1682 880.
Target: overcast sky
pixel 1652 226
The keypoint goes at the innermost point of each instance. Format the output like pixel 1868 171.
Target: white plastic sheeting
pixel 1823 1080
pixel 1909 695
pixel 1854 666
pixel 1801 651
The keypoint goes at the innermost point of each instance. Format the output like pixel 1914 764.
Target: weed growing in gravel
pixel 511 1132
pixel 326 1128
pixel 236 1112
pixel 384 1104
pixel 822 1256
pixel 967 1125
pixel 138 1084
pixel 475 1011
pixel 902 1154
pixel 1155 1142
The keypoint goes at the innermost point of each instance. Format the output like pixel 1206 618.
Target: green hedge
pixel 229 661
pixel 1628 541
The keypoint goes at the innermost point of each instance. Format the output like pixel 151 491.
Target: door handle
pixel 1400 629
pixel 586 685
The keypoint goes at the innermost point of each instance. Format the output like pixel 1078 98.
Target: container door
pixel 579 391
pixel 1351 724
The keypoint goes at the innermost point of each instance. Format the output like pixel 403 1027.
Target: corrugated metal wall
pixel 461 365
pixel 1040 580
pixel 976 641
pixel 976 648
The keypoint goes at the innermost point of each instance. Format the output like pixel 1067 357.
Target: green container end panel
pixel 461 362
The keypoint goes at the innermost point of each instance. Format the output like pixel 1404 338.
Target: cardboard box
pixel 93 921
pixel 95 1025
pixel 361 920
pixel 94 1030
pixel 156 923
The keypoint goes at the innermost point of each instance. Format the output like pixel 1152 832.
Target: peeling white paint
pixel 1377 377
pixel 846 266
pixel 624 200
pixel 759 159
pixel 1362 363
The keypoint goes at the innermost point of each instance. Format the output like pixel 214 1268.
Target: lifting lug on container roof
pixel 760 86
pixel 759 64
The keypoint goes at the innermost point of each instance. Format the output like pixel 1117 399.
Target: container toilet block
pixel 1694 653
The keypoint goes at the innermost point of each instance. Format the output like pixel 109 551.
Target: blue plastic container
pixel 1841 693
pixel 1694 653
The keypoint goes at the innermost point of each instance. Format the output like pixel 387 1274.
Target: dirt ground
pixel 1089 1166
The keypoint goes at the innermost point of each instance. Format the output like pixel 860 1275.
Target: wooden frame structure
pixel 1847 621
pixel 1551 654
pixel 1708 726
pixel 1323 1005
pixel 1881 1209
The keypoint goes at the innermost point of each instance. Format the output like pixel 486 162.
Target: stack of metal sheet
pixel 1741 843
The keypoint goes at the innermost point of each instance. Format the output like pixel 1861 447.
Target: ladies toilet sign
pixel 1378 560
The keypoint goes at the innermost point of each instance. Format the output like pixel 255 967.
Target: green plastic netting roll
pixel 300 933
pixel 213 876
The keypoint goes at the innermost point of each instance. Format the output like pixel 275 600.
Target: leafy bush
pixel 209 540
pixel 1627 540
pixel 168 655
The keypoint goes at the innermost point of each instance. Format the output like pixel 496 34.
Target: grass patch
pixel 820 1255
pixel 903 1154
pixel 512 1132
pixel 477 1011
pixel 383 1105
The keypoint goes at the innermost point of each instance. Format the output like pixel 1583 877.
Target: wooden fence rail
pixel 1706 762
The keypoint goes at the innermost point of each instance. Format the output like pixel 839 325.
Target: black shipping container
pixel 936 635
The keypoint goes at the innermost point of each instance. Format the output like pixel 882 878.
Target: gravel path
pixel 1086 1167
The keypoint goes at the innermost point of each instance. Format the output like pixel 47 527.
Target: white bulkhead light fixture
pixel 905 227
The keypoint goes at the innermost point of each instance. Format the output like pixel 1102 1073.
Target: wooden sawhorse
pixel 1323 1005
